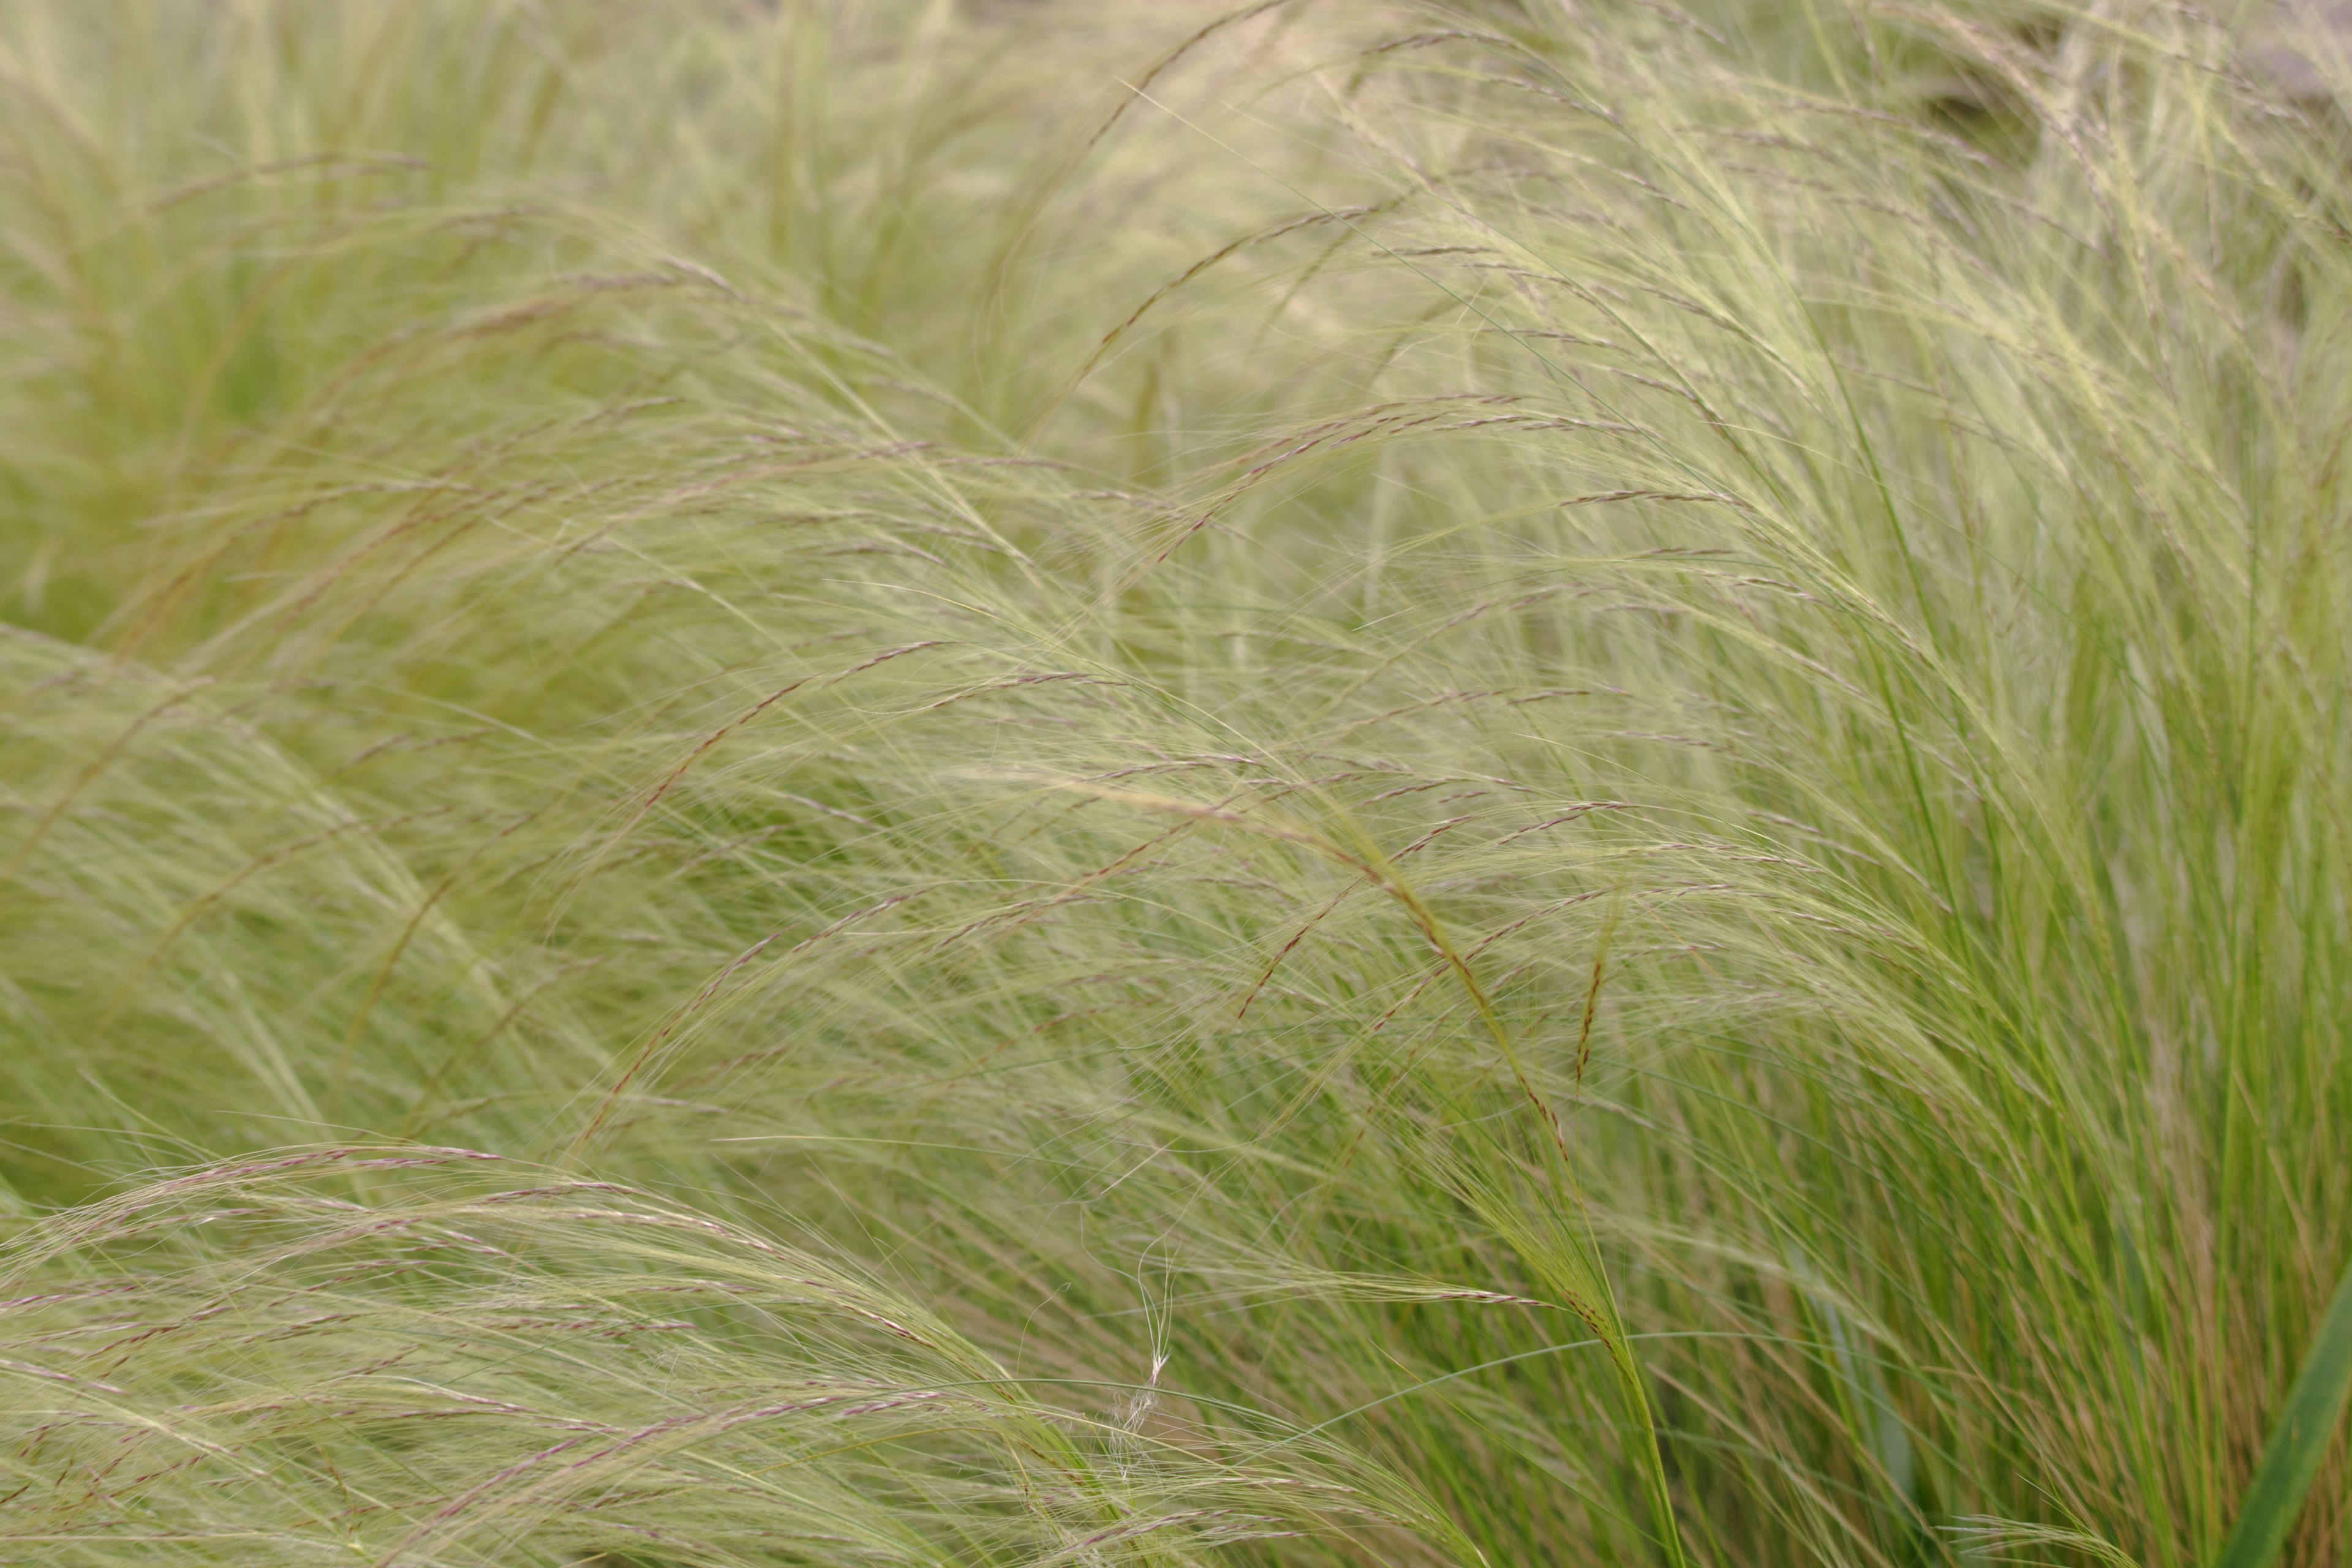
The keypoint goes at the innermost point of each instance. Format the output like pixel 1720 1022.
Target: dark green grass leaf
pixel 2315 1406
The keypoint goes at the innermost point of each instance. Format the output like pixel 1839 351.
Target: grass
pixel 898 783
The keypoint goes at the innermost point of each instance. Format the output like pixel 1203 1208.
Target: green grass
pixel 1029 783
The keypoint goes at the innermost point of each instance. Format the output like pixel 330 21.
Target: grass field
pixel 874 782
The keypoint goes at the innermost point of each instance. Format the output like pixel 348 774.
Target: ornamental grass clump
pixel 1033 784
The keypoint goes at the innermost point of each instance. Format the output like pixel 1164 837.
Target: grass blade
pixel 2315 1407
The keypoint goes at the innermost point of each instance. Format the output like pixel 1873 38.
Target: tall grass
pixel 895 784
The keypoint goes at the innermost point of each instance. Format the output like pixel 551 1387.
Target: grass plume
pixel 1014 782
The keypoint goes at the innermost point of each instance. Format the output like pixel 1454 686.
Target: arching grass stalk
pixel 1143 789
pixel 1556 1240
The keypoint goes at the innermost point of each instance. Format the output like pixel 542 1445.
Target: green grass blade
pixel 2315 1406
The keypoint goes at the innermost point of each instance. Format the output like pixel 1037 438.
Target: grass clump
pixel 817 783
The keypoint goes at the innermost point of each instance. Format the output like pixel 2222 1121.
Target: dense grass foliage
pixel 903 783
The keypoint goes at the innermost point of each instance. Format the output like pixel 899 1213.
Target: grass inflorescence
pixel 1022 782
